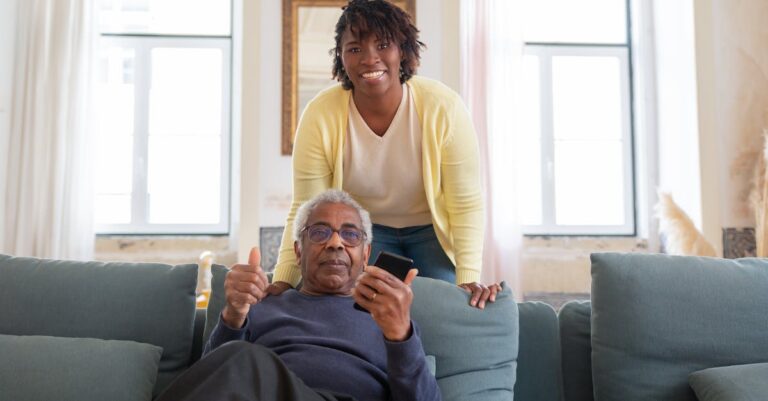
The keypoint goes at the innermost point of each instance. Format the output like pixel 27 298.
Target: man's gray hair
pixel 330 196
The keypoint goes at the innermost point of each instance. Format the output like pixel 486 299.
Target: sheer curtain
pixel 491 57
pixel 48 195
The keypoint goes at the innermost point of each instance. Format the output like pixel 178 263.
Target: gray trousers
pixel 243 371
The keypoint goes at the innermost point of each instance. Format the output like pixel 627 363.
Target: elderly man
pixel 311 344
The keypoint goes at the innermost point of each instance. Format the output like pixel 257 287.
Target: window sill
pixel 170 249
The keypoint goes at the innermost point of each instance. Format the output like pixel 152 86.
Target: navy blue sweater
pixel 332 346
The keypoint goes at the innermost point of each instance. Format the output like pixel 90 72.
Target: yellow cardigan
pixel 450 169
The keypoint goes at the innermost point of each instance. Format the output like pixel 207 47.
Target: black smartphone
pixel 395 264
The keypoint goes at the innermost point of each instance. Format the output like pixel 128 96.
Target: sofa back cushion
pixel 658 318
pixel 217 300
pixel 538 359
pixel 475 350
pixel 143 302
pixel 575 340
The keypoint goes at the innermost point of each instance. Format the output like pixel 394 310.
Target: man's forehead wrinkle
pixel 325 223
pixel 357 219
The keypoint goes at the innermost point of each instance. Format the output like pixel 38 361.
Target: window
pixel 164 117
pixel 576 140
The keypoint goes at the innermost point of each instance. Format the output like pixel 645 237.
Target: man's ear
pixel 297 249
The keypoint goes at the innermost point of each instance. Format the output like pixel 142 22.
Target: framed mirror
pixel 308 31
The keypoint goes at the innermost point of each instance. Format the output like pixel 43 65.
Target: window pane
pixel 185 125
pixel 186 92
pixel 114 159
pixel 177 17
pixel 184 179
pixel 529 145
pixel 589 184
pixel 587 101
pixel 569 21
pixel 113 209
pixel 115 114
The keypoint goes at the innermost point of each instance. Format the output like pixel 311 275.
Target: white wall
pixel 676 109
pixel 7 30
pixel 274 169
pixel 266 184
pixel 711 153
pixel 712 73
pixel 740 93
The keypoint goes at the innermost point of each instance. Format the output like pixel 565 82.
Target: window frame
pixel 623 52
pixel 143 45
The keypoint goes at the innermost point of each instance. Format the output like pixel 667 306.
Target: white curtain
pixel 48 194
pixel 491 56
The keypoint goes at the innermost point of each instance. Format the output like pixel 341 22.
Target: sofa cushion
pixel 575 339
pixel 538 359
pixel 658 318
pixel 475 350
pixel 143 302
pixel 216 302
pixel 42 368
pixel 731 383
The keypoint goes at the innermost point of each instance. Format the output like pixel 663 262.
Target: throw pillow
pixel 475 350
pixel 41 368
pixel 731 383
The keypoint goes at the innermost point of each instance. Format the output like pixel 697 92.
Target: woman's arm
pixel 460 175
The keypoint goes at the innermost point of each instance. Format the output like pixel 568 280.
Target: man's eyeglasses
pixel 321 233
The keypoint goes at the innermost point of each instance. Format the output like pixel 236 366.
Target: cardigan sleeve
pixel 312 174
pixel 460 171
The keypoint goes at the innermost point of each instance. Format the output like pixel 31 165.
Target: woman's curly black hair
pixel 386 21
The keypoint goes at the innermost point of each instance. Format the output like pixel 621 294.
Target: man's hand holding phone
pixel 387 297
pixel 245 285
pixel 394 264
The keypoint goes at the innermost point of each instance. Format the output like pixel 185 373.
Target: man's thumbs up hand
pixel 245 285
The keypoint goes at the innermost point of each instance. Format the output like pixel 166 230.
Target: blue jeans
pixel 418 243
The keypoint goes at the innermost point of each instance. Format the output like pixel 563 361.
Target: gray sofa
pixel 123 331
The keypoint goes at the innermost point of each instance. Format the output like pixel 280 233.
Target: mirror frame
pixel 290 98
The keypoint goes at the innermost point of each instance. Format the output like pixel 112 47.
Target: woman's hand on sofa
pixel 480 294
pixel 244 285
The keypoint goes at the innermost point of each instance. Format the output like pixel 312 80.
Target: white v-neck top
pixel 384 173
